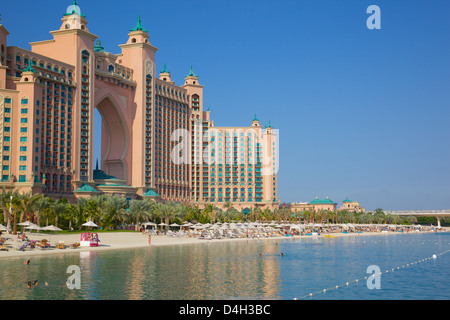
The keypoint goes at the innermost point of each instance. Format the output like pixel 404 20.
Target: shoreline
pixel 133 240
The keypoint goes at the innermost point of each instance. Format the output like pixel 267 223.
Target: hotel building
pixel 47 100
pixel 326 205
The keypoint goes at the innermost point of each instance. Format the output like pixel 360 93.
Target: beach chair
pixel 60 245
pixel 23 246
pixel 43 244
pixel 3 247
pixel 75 245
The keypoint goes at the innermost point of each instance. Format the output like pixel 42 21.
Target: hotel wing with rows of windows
pixel 156 139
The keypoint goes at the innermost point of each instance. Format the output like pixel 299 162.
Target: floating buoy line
pixel 434 256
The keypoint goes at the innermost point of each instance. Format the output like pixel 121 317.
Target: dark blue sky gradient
pixel 362 113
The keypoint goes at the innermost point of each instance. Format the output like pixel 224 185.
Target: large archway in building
pixel 114 139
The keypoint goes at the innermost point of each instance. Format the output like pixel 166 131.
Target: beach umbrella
pixel 174 225
pixel 89 224
pixel 26 224
pixel 33 227
pixel 3 228
pixel 149 224
pixel 51 228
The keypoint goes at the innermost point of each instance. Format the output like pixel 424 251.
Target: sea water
pixel 253 269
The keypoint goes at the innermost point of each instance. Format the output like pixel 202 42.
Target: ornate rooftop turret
pixel 138 25
pixel 98 46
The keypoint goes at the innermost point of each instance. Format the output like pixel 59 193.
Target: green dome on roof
pixel 322 201
pixel 98 46
pixel 150 193
pixel 86 188
pixel 74 9
pixel 101 175
pixel 346 200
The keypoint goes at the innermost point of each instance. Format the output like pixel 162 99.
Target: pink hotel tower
pixel 47 101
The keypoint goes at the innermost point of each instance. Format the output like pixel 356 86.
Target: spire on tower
pixel 30 68
pixel 191 73
pixel 165 69
pixel 139 25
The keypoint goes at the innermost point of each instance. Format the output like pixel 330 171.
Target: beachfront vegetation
pixel 113 213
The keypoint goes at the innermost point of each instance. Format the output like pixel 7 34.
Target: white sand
pixel 124 240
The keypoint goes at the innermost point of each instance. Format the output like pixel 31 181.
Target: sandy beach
pixel 128 240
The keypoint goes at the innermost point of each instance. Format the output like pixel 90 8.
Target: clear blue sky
pixel 362 113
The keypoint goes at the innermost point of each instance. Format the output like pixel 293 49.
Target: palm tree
pixel 77 212
pixel 42 207
pixel 228 206
pixel 114 209
pixel 5 205
pixel 100 202
pixel 58 209
pixel 27 203
pixel 139 210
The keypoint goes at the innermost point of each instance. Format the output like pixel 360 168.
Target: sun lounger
pixel 75 245
pixel 43 244
pixel 3 247
pixel 60 245
pixel 23 246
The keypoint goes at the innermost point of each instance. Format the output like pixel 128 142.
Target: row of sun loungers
pixel 44 244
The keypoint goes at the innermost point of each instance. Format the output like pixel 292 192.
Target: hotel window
pixel 23 110
pixel 22 168
pixel 7 100
pixel 24 101
pixel 23 120
pixel 22 178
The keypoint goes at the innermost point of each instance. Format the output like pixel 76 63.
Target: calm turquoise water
pixel 235 270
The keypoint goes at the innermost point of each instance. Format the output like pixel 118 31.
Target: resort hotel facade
pixel 157 139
